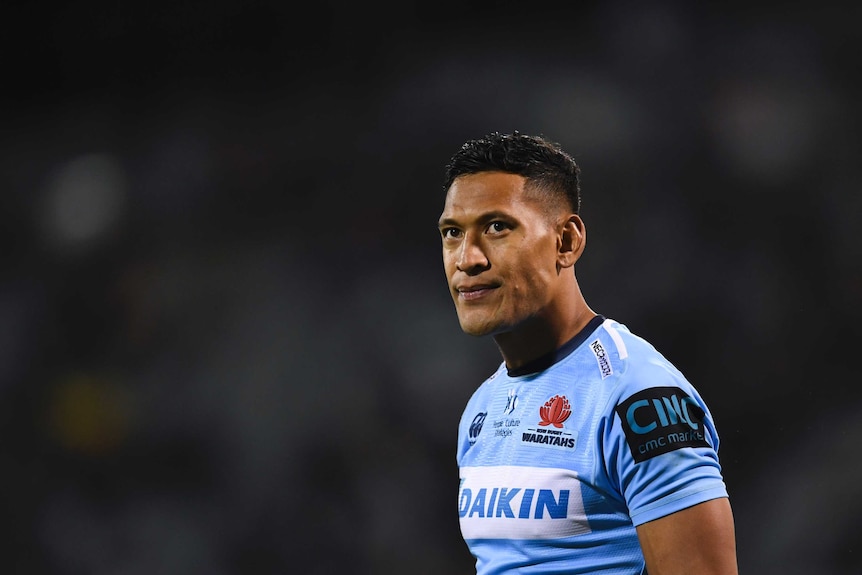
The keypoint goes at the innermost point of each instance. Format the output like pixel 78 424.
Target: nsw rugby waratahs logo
pixel 555 411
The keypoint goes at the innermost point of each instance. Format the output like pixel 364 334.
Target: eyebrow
pixel 481 220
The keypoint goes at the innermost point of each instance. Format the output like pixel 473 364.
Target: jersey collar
pixel 544 362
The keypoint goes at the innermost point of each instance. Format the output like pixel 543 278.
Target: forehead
pixel 474 194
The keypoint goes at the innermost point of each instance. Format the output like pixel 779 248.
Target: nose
pixel 471 257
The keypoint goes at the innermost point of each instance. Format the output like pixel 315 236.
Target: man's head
pixel 509 228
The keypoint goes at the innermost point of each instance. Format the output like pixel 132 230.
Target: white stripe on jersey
pixel 612 331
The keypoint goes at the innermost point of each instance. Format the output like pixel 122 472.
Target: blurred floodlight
pixel 88 414
pixel 765 132
pixel 84 201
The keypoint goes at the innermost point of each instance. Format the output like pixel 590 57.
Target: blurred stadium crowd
pixel 226 343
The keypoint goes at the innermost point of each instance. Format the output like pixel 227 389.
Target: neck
pixel 541 335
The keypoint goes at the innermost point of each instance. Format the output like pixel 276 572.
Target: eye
pixel 450 233
pixel 498 227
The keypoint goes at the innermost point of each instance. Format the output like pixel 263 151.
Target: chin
pixel 474 331
pixel 479 328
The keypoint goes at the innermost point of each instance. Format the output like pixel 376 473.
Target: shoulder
pixel 648 389
pixel 637 364
pixel 653 407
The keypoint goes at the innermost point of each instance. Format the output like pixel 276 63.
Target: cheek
pixel 536 276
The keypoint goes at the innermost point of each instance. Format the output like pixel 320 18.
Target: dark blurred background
pixel 226 343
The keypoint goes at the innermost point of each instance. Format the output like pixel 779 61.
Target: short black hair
pixel 542 162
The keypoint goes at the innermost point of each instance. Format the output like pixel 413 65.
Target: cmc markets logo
pixel 555 411
pixel 476 426
pixel 659 420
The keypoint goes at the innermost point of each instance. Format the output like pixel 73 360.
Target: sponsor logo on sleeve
pixel 660 420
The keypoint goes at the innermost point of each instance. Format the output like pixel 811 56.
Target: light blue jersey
pixel 560 461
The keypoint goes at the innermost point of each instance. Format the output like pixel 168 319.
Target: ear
pixel 571 241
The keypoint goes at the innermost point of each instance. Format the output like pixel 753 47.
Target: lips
pixel 474 292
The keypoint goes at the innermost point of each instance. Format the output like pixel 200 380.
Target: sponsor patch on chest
pixel 514 502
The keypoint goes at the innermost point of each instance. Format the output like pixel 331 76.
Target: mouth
pixel 473 293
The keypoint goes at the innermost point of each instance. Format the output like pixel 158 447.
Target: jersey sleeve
pixel 661 445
